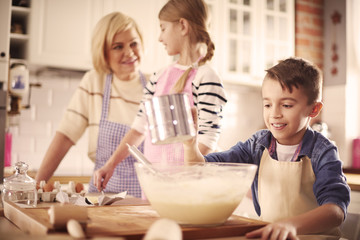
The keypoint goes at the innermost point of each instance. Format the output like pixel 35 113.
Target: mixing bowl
pixel 201 194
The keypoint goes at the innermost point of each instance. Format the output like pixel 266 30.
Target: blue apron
pixel 110 135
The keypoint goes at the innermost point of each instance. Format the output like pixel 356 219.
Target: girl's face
pixel 286 114
pixel 171 37
pixel 124 54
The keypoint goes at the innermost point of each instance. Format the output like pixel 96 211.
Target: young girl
pixel 184 32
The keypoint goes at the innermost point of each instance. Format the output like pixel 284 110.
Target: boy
pixel 299 187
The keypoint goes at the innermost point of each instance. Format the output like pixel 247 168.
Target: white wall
pixel 242 114
pixel 38 124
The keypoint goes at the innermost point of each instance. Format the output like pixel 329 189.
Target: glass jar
pixel 20 188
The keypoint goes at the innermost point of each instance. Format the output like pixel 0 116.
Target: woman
pixel 106 102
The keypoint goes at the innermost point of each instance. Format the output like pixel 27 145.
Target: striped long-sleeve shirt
pixel 209 99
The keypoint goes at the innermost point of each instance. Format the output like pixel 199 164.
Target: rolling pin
pixel 60 214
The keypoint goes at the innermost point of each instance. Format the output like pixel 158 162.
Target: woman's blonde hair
pixel 196 13
pixel 103 35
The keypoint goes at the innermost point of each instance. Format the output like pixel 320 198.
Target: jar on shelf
pixel 20 188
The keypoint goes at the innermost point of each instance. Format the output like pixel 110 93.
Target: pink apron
pixel 168 153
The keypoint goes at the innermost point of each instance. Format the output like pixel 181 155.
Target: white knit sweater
pixel 84 109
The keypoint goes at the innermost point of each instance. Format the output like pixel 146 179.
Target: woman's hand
pixel 275 231
pixel 102 176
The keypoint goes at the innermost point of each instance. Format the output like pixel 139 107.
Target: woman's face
pixel 124 54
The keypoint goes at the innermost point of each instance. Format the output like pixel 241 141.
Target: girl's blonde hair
pixel 103 35
pixel 196 13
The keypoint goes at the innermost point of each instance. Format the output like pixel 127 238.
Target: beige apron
pixel 286 189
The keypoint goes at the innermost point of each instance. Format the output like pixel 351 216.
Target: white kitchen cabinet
pixel 249 35
pixel 19 33
pixel 61 30
pixel 14 35
pixel 4 41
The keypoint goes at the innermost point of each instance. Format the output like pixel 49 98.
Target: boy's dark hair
pixel 297 72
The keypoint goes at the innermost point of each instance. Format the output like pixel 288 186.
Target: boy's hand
pixel 275 231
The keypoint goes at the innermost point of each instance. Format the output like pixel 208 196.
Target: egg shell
pixel 48 187
pixel 74 229
pixel 57 185
pixel 164 229
pixel 71 187
pixel 79 187
pixel 42 183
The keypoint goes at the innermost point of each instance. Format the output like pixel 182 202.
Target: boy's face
pixel 286 114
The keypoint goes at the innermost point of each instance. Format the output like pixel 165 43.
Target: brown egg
pixel 79 187
pixel 37 186
pixel 48 187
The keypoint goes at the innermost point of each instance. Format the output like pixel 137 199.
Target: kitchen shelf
pixel 19 32
pixel 19 37
pixel 20 11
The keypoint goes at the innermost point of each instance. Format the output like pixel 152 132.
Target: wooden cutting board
pixel 130 221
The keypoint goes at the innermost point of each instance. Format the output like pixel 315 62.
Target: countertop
pixel 352 175
pixel 353 178
pixel 9 231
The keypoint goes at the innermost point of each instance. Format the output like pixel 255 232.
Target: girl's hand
pixel 275 231
pixel 193 141
pixel 102 176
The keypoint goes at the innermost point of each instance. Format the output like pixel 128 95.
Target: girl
pixel 184 33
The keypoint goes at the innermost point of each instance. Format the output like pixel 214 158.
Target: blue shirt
pixel 330 184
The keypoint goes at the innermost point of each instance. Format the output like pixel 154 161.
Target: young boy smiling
pixel 299 187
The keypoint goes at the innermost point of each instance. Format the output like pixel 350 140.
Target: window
pixel 250 36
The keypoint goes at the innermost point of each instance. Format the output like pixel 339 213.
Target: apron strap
pixel 142 79
pixel 106 97
pixel 107 93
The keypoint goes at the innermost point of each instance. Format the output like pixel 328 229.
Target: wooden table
pixel 132 219
pixel 10 231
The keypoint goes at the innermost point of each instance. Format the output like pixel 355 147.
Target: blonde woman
pixel 183 25
pixel 105 102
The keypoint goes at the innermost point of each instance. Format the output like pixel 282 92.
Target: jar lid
pixel 20 181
